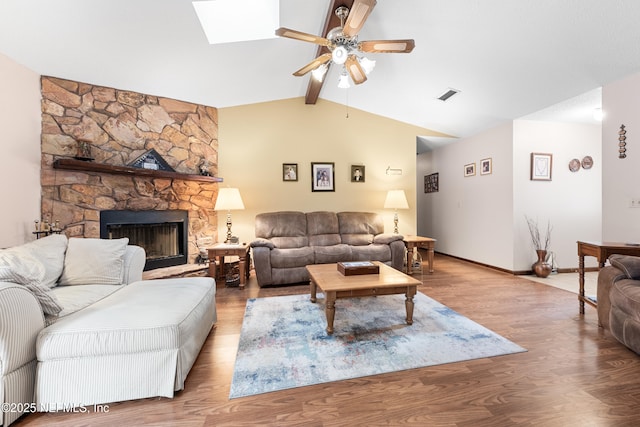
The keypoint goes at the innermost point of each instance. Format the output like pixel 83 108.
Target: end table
pixel 220 250
pixel 413 242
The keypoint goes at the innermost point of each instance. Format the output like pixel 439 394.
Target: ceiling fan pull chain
pixel 347 105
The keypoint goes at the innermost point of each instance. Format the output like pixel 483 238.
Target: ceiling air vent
pixel 448 94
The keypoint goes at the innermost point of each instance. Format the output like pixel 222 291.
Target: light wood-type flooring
pixel 574 373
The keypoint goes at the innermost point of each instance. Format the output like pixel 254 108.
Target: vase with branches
pixel 541 268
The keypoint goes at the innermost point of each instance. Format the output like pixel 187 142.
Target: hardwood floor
pixel 573 374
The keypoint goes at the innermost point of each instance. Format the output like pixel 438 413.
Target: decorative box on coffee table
pixel 353 268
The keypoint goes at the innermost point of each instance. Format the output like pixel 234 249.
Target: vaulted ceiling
pixel 508 58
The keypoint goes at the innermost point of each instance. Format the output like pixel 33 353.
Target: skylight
pixel 228 21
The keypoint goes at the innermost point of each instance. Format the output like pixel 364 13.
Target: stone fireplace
pixel 120 126
pixel 162 234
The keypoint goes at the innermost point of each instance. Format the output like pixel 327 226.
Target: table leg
pixel 314 288
pixel 220 260
pixel 409 304
pixel 430 252
pixel 581 281
pixel 212 267
pixel 330 310
pixel 410 250
pixel 242 265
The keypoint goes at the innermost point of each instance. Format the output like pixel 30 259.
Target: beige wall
pixel 20 159
pixel 255 140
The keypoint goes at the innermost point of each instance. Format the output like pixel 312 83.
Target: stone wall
pixel 120 126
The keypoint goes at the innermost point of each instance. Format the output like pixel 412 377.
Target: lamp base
pixel 229 236
pixel 395 223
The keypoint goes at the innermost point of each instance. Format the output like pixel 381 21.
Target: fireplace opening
pixel 162 234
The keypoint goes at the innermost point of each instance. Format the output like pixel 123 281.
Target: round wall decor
pixel 574 165
pixel 587 162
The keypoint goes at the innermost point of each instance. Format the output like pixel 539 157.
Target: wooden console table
pixel 601 251
pixel 413 242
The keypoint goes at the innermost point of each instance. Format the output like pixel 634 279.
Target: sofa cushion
pixel 625 296
pixel 331 254
pixel 360 223
pixel 281 224
pixel 94 262
pixel 293 257
pixel 25 270
pixel 629 265
pixel 319 223
pixel 75 298
pixel 290 242
pixel 357 239
pixel 323 229
pixel 49 251
pixel 371 252
pixel 325 240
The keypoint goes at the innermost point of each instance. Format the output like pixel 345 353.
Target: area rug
pixel 283 342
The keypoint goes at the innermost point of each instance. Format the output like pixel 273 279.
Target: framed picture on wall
pixel 431 183
pixel 486 166
pixel 541 165
pixel 470 169
pixel 289 171
pixel 357 173
pixel 323 176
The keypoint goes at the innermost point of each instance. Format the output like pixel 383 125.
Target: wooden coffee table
pixel 336 285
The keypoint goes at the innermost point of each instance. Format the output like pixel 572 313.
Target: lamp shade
pixel 396 200
pixel 229 199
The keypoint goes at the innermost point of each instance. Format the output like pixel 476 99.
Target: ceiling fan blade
pixel 387 46
pixel 322 59
pixel 299 35
pixel 355 70
pixel 357 16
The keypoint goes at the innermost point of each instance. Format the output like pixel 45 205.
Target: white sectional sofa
pixel 79 327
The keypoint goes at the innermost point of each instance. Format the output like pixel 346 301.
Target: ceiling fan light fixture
pixel 339 55
pixel 367 64
pixel 320 72
pixel 343 81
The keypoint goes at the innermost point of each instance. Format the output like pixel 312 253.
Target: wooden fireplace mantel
pixel 81 165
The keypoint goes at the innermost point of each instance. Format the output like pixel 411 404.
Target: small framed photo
pixel 541 165
pixel 470 169
pixel 486 166
pixel 357 173
pixel 323 176
pixel 289 171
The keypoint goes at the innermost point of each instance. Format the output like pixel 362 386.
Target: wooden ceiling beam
pixel 332 21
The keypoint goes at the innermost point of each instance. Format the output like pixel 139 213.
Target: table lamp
pixel 396 200
pixel 229 199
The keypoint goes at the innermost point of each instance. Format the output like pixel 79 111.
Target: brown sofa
pixel 619 299
pixel 288 241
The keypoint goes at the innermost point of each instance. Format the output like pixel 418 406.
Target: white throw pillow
pixel 25 270
pixel 50 252
pixel 94 262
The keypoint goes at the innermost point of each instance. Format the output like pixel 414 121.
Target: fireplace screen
pixel 158 240
pixel 162 234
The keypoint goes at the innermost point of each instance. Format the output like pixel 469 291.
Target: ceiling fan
pixel 343 45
